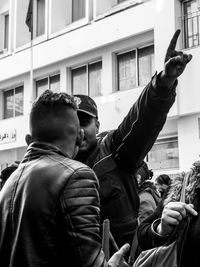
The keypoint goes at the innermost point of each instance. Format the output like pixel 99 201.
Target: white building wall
pixel 152 22
pixel 189 140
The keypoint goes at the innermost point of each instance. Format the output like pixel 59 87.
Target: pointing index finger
pixel 173 42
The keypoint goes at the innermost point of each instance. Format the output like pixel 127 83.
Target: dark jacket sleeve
pixel 138 131
pixel 146 237
pixel 80 206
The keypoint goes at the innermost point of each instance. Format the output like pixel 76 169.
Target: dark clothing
pixel 49 212
pixel 149 200
pixel 190 254
pixel 119 153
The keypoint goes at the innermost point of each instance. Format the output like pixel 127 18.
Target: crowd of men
pixel 72 178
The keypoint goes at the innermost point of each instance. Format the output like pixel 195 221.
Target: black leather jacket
pixel 120 152
pixel 49 212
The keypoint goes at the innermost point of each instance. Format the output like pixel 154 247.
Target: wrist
pixel 156 229
pixel 165 80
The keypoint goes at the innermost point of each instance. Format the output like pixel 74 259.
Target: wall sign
pixel 7 136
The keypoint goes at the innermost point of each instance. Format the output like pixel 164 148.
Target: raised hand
pixel 172 215
pixel 175 61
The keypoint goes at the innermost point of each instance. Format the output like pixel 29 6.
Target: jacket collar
pixel 38 149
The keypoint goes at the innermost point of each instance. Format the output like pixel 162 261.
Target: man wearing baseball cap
pixel 116 155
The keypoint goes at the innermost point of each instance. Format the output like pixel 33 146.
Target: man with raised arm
pixel 115 155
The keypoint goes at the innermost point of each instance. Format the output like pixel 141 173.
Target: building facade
pixel 108 49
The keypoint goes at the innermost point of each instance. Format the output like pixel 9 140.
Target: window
pixel 135 68
pixel 50 82
pixel 126 64
pixel 120 1
pixel 146 64
pixel 6 31
pixel 129 2
pixel 164 154
pixel 69 14
pixel 13 102
pixel 78 9
pixel 87 79
pixel 40 17
pixel 191 23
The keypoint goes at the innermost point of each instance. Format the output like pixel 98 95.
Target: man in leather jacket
pixel 114 156
pixel 49 206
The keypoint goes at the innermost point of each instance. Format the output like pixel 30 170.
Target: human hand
pixel 117 259
pixel 172 215
pixel 175 62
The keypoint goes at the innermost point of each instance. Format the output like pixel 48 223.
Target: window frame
pixel 72 12
pixel 14 102
pixel 5 31
pixel 137 66
pixel 165 140
pixel 65 24
pixel 35 19
pixel 48 77
pixel 185 24
pixel 87 66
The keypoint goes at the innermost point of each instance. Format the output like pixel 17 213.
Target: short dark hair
pixel 163 179
pixel 46 110
pixel 144 172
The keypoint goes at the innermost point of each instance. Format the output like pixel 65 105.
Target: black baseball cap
pixel 86 104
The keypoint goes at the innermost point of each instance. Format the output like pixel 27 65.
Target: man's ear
pixel 97 123
pixel 28 139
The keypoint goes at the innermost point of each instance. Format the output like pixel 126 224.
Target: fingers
pixel 174 217
pixel 117 258
pixel 181 59
pixel 174 212
pixel 124 249
pixel 190 209
pixel 171 48
pixel 173 41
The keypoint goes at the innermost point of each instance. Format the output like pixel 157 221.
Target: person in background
pixel 157 229
pixel 117 154
pixel 162 182
pixel 6 172
pixel 49 206
pixel 149 197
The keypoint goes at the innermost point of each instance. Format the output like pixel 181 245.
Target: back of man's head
pixel 53 118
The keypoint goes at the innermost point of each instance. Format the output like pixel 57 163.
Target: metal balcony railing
pixel 190 25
